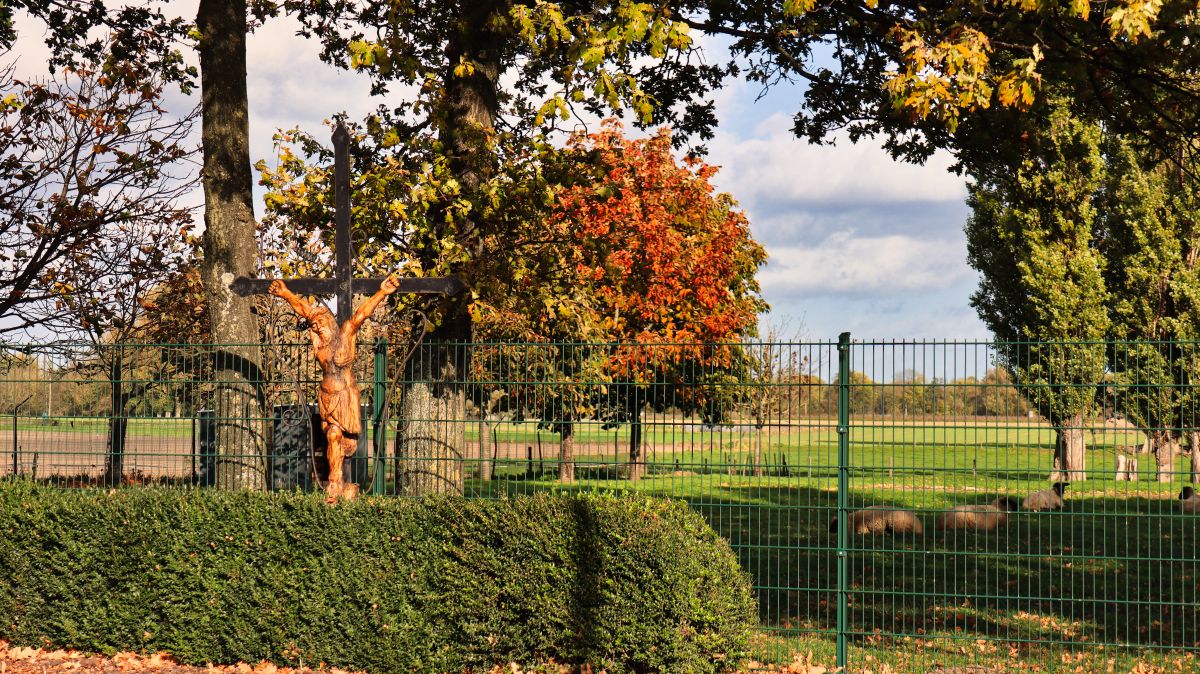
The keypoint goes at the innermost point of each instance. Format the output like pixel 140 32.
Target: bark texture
pixel 1070 449
pixel 229 247
pixel 757 469
pixel 1164 446
pixel 487 448
pixel 1127 467
pixel 637 455
pixel 428 451
pixel 1194 455
pixel 566 452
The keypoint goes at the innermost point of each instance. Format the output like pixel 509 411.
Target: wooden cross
pixel 343 285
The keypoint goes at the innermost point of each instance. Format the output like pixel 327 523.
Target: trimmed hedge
pixel 625 584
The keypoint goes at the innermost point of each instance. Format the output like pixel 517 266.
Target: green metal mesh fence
pixel 893 502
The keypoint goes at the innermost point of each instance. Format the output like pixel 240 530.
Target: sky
pixel 855 241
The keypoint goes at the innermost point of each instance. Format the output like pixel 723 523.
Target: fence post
pixel 378 428
pixel 843 486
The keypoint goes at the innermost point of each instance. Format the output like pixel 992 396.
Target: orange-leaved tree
pixel 669 265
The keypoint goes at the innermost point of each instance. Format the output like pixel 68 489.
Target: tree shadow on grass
pixel 1116 571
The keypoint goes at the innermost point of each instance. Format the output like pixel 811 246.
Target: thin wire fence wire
pixel 748 435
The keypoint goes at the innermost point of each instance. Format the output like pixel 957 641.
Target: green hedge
pixel 624 584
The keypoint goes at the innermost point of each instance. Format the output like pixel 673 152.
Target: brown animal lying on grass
pixel 1046 499
pixel 1189 500
pixel 979 517
pixel 881 520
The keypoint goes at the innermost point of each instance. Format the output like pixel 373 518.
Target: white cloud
pixel 29 53
pixel 771 165
pixel 857 241
pixel 844 264
pixel 289 86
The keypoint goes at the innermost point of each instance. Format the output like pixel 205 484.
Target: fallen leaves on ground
pixel 22 660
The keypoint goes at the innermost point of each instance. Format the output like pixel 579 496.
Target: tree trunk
pixel 1069 452
pixel 637 460
pixel 1194 453
pixel 487 448
pixel 566 452
pixel 433 417
pixel 1163 446
pixel 758 449
pixel 471 100
pixel 229 248
pixel 114 464
pixel 1127 468
pixel 430 448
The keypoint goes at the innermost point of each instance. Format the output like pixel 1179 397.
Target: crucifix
pixel 334 340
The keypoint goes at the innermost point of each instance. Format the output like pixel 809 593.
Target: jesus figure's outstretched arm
pixel 304 309
pixel 364 311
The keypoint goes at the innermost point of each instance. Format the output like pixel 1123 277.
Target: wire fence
pixel 899 506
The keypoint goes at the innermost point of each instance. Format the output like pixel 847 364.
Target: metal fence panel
pixel 817 461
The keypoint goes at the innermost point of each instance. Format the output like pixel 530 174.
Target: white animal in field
pixel 979 517
pixel 881 520
pixel 1046 499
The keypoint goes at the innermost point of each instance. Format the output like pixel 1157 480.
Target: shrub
pixel 625 584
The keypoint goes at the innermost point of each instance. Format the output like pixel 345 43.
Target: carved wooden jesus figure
pixel 338 399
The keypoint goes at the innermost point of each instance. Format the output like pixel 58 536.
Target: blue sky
pixel 855 240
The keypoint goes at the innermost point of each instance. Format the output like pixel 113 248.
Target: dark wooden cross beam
pixel 343 285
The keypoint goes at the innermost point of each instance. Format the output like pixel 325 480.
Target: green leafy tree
pixel 925 77
pixel 7 33
pixel 489 77
pixel 1151 243
pixel 866 396
pixel 908 394
pixel 1031 235
pixel 998 397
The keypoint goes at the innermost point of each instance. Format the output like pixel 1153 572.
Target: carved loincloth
pixel 340 408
